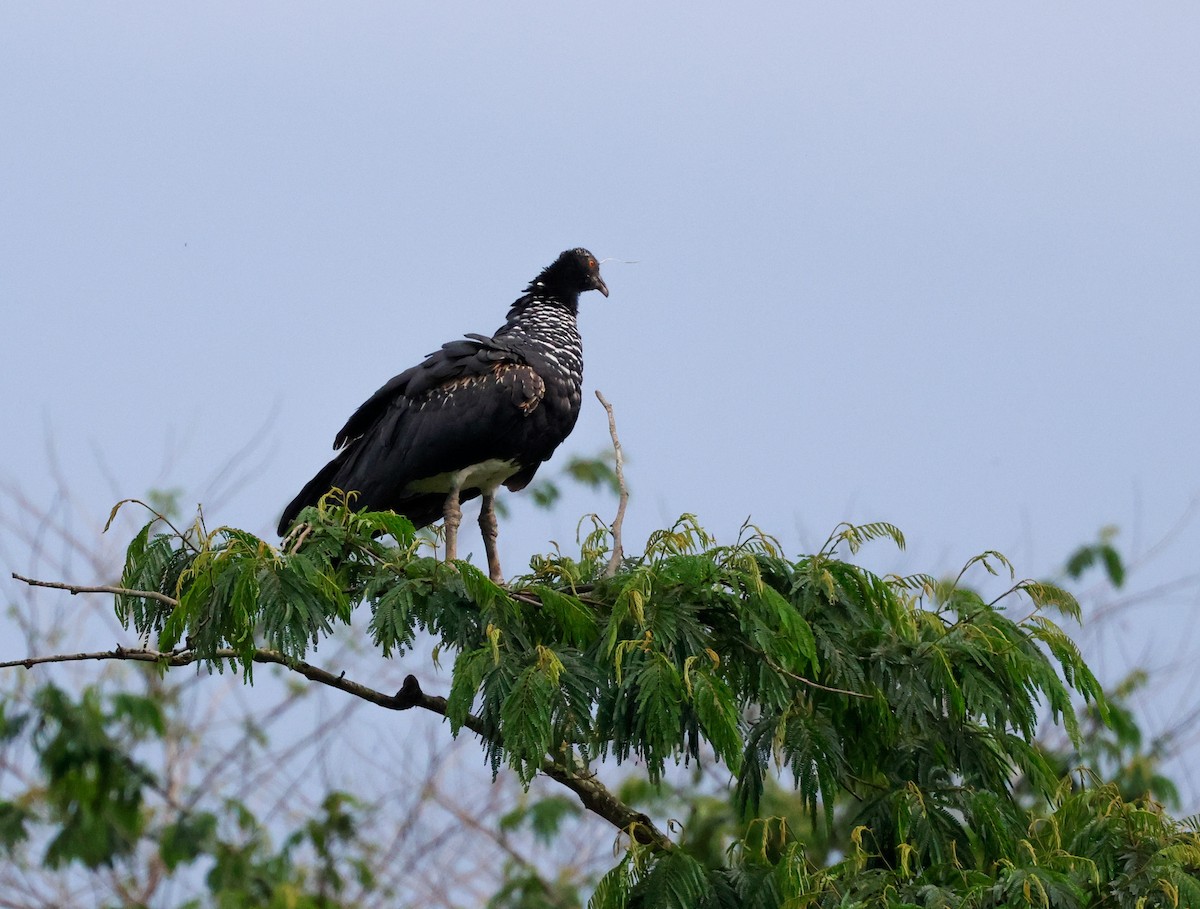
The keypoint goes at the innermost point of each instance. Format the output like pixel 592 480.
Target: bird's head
pixel 573 272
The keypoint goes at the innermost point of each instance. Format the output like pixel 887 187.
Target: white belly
pixel 487 475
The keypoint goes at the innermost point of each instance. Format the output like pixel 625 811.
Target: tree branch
pixel 100 588
pixel 596 797
pixel 618 552
pixel 593 794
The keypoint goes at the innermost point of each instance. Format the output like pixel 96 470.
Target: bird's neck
pixel 534 315
pixel 549 329
pixel 541 300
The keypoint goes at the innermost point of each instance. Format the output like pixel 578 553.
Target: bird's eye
pixel 592 264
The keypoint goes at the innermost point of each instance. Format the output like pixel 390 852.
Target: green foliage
pixel 1093 850
pixel 167 502
pixel 902 711
pixel 523 887
pixel 14 824
pixel 543 816
pixel 1111 748
pixel 94 788
pixel 96 805
pixel 248 873
pixel 597 472
pixel 233 590
pixel 186 838
pixel 1102 553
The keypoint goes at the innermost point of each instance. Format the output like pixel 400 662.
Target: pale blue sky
pixel 930 263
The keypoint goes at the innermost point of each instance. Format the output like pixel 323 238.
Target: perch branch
pixel 593 794
pixel 618 552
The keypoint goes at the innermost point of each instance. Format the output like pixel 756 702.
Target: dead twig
pixel 618 551
pixel 99 588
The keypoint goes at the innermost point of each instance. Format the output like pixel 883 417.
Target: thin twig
pixel 112 516
pixel 811 684
pixel 805 681
pixel 618 552
pixel 100 588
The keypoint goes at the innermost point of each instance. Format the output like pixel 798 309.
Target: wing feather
pixel 464 404
pixel 454 360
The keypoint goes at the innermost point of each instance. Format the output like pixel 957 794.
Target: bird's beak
pixel 601 286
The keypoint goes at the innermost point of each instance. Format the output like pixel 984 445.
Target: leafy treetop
pixel 915 699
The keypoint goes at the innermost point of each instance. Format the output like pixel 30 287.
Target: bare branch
pixel 117 653
pixel 99 588
pixel 618 552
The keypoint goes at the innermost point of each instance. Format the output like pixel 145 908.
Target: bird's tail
pixel 324 481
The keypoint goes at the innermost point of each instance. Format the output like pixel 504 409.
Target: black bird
pixel 479 413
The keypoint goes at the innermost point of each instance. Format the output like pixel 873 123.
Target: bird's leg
pixel 453 517
pixel 487 526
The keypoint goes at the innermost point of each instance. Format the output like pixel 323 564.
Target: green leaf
pixel 94 788
pixel 660 694
pixel 11 725
pixel 577 621
pixel 675 881
pixel 855 535
pixel 394 525
pixel 792 635
pixel 187 838
pixel 719 717
pixel 594 472
pixel 543 816
pixel 393 617
pixel 614 888
pixel 143 714
pixel 985 559
pixel 525 717
pixel 545 494
pixel 14 821
pixel 1113 565
pixel 1050 596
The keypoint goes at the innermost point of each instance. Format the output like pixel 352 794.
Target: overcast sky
pixel 935 263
